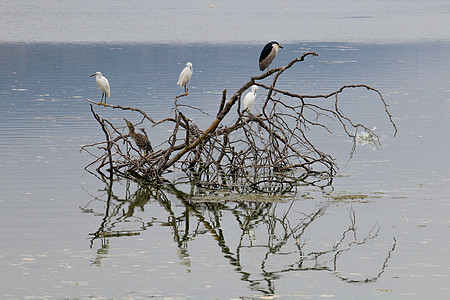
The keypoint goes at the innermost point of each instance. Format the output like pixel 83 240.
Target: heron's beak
pixel 279 46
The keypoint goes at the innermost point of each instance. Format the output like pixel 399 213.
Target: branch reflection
pixel 267 237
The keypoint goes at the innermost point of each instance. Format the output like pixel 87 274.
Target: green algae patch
pixel 353 198
pixel 230 197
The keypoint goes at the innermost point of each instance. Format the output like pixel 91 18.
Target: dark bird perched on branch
pixel 102 84
pixel 141 140
pixel 268 54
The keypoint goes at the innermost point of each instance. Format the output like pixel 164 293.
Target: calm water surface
pixel 234 21
pixel 170 247
pixel 379 230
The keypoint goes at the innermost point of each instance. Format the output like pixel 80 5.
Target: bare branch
pixel 266 152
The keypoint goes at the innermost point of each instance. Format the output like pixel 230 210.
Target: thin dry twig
pixel 261 152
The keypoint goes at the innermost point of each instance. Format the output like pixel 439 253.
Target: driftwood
pixel 268 151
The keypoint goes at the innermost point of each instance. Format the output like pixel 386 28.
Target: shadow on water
pixel 272 230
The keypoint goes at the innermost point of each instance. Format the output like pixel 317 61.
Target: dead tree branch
pixel 257 152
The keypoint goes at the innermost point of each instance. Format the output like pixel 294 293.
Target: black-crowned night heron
pixel 249 99
pixel 102 84
pixel 141 140
pixel 185 76
pixel 268 54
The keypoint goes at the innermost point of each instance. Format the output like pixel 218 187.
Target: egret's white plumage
pixel 102 84
pixel 185 76
pixel 249 99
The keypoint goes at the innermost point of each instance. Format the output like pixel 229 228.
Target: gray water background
pixel 240 22
pixel 50 205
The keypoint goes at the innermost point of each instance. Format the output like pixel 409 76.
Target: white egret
pixel 268 54
pixel 249 99
pixel 102 84
pixel 185 76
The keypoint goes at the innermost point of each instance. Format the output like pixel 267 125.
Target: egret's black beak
pixel 92 75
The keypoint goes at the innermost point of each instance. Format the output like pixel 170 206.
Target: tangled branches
pixel 278 234
pixel 269 151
